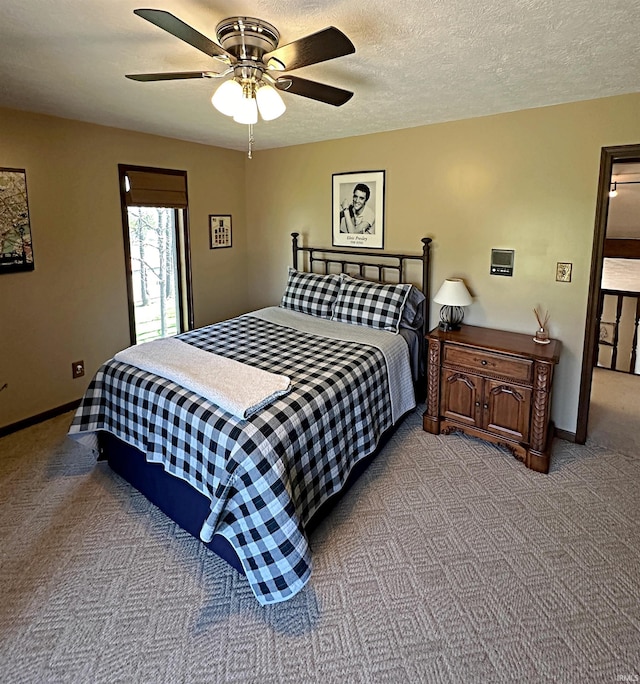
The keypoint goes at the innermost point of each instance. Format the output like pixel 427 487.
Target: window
pixel 156 240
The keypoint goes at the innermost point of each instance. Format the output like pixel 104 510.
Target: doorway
pixel 156 242
pixel 626 154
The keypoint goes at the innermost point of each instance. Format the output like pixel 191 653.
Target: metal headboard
pixel 330 260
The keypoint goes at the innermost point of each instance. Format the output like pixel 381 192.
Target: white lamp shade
pixel 227 97
pixel 270 103
pixel 453 293
pixel 246 111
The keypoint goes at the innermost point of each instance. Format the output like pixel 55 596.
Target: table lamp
pixel 453 295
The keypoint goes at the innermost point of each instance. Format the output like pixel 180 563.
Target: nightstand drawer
pixel 518 369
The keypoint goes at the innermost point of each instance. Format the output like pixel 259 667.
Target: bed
pixel 328 374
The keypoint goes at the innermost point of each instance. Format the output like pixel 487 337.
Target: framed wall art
pixel 358 209
pixel 563 272
pixel 219 231
pixel 16 252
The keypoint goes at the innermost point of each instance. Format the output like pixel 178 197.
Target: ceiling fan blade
pixel 176 27
pixel 176 75
pixel 313 90
pixel 318 47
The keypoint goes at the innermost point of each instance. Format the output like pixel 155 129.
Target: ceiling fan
pixel 248 49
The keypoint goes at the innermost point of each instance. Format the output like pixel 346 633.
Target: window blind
pixel 155 189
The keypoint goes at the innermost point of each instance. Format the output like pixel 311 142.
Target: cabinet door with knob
pixel 495 385
pixel 501 408
pixel 462 397
pixel 506 410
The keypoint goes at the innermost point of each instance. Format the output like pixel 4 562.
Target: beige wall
pixel 524 180
pixel 74 304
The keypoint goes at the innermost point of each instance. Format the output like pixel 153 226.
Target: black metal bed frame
pixel 379 261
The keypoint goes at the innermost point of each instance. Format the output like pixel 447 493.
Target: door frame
pixel 608 157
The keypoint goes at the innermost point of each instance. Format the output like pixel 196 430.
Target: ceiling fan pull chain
pixel 251 141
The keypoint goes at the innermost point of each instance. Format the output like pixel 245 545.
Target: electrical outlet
pixel 77 369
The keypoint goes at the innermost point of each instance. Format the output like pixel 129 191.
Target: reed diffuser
pixel 542 334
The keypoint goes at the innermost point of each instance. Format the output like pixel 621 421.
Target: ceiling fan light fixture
pixel 250 49
pixel 228 97
pixel 246 110
pixel 270 103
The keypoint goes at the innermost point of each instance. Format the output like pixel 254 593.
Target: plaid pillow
pixel 310 293
pixel 413 312
pixel 371 304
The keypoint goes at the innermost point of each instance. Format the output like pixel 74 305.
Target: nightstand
pixel 495 385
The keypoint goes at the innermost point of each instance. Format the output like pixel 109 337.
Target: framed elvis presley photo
pixel 358 209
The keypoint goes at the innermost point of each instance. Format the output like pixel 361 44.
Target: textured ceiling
pixel 416 62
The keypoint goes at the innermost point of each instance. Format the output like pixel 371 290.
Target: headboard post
pixel 426 246
pixel 294 238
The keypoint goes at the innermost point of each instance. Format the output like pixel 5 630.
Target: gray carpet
pixel 448 562
pixel 614 411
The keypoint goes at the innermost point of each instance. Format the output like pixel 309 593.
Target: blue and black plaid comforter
pixel 265 476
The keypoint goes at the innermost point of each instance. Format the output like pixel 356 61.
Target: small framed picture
pixel 563 272
pixel 219 231
pixel 358 209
